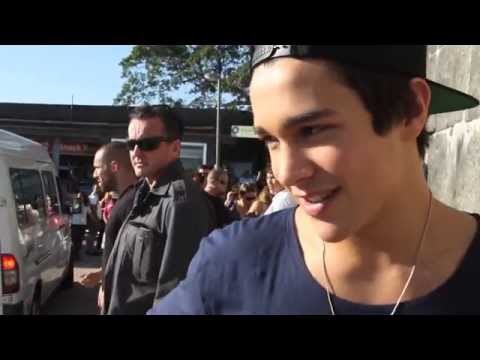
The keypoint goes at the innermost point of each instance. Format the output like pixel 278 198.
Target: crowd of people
pixel 243 199
pixel 144 209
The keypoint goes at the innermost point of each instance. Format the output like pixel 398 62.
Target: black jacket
pixel 156 243
pixel 223 216
pixel 119 213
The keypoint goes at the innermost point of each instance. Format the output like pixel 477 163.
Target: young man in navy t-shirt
pixel 345 129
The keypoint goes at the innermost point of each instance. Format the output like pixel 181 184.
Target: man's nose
pixel 136 151
pixel 292 166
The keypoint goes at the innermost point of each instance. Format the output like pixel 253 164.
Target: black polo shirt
pixel 117 216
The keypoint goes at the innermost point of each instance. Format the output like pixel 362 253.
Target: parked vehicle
pixel 35 241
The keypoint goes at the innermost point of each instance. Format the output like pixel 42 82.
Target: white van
pixel 1 277
pixel 35 240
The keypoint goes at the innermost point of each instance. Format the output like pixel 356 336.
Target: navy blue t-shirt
pixel 256 266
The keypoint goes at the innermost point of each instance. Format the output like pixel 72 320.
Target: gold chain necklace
pixel 412 271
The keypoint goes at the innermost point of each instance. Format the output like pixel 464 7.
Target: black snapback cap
pixel 408 60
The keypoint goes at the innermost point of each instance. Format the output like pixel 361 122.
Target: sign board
pixel 118 140
pixel 243 132
pixel 84 149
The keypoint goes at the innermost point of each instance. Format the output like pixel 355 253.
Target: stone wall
pixel 453 157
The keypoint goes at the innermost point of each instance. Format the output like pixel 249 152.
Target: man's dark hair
pixel 116 151
pixel 170 118
pixel 217 173
pixel 387 96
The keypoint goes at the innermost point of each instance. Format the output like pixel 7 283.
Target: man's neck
pixel 373 265
pixel 125 182
pixel 389 238
pixel 152 180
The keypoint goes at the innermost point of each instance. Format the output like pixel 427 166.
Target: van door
pixel 1 290
pixel 31 203
pixel 56 226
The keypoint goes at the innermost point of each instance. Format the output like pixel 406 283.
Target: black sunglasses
pixel 147 144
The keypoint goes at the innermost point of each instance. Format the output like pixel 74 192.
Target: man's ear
pixel 418 121
pixel 114 166
pixel 177 146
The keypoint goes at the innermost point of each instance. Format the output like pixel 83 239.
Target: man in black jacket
pixel 113 172
pixel 170 215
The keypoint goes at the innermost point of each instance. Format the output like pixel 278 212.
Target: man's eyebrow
pixel 300 119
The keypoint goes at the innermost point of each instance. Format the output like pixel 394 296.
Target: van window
pixel 52 202
pixel 30 202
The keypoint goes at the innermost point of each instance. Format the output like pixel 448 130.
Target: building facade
pixel 73 133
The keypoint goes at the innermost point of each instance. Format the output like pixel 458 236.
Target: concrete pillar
pixel 56 151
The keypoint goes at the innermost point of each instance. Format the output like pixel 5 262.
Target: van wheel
pixel 67 282
pixel 35 308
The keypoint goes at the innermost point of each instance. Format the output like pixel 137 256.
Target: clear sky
pixel 52 74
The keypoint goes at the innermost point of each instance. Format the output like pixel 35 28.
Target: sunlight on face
pixel 322 144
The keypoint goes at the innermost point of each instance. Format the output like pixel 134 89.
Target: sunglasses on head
pixel 147 144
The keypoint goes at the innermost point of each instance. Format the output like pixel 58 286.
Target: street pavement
pixel 77 300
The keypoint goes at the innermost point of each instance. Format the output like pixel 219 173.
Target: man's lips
pixel 314 203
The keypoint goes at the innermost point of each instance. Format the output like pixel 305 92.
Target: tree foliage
pixel 153 74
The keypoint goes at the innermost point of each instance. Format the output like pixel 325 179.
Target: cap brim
pixel 445 99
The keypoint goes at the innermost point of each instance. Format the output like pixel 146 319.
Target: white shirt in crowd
pixel 93 199
pixel 81 218
pixel 282 200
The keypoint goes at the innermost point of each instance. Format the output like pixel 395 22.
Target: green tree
pixel 153 73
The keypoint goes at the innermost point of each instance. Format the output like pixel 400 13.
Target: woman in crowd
pixel 243 199
pixel 261 204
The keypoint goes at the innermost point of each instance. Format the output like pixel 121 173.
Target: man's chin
pixel 139 173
